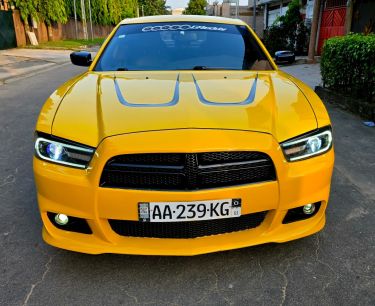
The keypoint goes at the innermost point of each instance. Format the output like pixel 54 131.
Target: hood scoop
pixel 173 101
pixel 176 96
pixel 249 99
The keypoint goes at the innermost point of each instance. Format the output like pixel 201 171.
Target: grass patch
pixel 76 44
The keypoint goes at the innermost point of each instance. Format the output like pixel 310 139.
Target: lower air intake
pixel 185 230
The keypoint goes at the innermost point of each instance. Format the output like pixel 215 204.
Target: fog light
pixel 61 219
pixel 308 209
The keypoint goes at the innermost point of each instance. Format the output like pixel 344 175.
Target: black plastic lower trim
pixel 188 229
pixel 75 224
pixel 297 214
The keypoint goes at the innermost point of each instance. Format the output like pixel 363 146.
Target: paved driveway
pixel 334 267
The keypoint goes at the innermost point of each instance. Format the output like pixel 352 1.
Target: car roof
pixel 182 18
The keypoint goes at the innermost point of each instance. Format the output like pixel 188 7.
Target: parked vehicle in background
pixel 285 56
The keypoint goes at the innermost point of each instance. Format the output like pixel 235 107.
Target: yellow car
pixel 182 138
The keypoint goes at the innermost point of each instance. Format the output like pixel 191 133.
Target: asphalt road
pixel 334 267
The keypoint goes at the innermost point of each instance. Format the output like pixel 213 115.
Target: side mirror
pixel 81 58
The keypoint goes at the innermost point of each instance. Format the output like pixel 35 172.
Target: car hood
pixel 100 105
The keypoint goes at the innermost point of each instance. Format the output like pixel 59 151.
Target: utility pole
pixel 255 15
pixel 92 33
pixel 84 23
pixel 314 31
pixel 75 17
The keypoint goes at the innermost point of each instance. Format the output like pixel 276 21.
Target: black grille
pixel 190 171
pixel 185 230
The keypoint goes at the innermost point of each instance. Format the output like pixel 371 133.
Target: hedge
pixel 348 65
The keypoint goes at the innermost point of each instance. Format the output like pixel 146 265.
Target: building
pixel 178 11
pixel 334 18
pixel 272 9
pixel 231 9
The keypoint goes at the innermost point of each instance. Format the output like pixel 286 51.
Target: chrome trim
pixel 303 140
pixel 250 162
pixel 41 139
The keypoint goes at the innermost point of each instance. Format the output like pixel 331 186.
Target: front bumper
pixel 77 193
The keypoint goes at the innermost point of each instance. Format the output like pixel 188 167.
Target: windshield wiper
pixel 122 69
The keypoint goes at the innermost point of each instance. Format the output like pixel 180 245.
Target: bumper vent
pixel 185 230
pixel 190 171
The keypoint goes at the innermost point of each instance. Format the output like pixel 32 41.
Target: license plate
pixel 189 211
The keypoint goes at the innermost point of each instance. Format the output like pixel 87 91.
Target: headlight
pixel 308 145
pixel 61 152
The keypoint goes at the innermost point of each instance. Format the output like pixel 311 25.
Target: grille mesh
pixel 185 230
pixel 190 171
pixel 223 157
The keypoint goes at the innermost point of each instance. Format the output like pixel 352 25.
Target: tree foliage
pixel 52 11
pixel 152 7
pixel 288 32
pixel 28 8
pixel 196 7
pixel 104 12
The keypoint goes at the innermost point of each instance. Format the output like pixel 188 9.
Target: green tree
pixel 196 7
pixel 288 31
pixel 28 8
pixel 152 7
pixel 100 12
pixel 294 27
pixel 46 10
pixel 104 12
pixel 52 11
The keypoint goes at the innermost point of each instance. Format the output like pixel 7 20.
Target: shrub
pixel 348 64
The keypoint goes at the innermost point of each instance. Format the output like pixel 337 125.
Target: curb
pixel 359 106
pixel 300 61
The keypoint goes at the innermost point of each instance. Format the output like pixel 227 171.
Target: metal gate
pixel 7 33
pixel 332 22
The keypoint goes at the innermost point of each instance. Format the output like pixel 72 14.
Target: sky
pixel 183 3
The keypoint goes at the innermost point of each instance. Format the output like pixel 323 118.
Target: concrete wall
pixel 68 30
pixel 41 32
pixel 56 31
pixel 19 29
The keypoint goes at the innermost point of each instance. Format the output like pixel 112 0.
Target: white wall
pixel 274 13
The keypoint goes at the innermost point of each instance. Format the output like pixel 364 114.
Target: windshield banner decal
pixel 181 27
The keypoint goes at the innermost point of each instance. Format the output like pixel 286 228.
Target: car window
pixel 182 46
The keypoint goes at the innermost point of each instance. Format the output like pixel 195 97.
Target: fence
pixel 13 30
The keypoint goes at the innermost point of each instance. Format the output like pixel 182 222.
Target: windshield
pixel 182 46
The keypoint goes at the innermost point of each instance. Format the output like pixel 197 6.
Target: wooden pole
pixel 75 18
pixel 84 23
pixel 92 32
pixel 348 16
pixel 255 16
pixel 314 31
